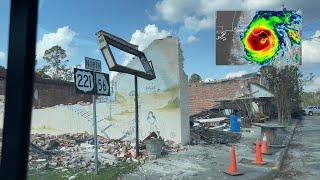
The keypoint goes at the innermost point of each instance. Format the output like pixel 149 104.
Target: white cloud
pixel 192 39
pixel 127 59
pixel 142 38
pixel 236 74
pixel 208 80
pixel 174 10
pixel 63 37
pixel 145 37
pixel 198 14
pixel 196 24
pixel 313 86
pixel 310 49
pixel 2 55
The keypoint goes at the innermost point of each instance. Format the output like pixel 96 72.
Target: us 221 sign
pixel 89 82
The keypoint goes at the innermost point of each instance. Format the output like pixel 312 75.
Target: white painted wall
pixel 163 103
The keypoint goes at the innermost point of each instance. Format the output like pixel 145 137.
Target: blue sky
pixel 73 24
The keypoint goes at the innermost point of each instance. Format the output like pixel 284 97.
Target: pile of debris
pixel 169 145
pixel 216 132
pixel 77 150
pixel 67 150
pixel 211 113
pixel 212 126
pixel 212 136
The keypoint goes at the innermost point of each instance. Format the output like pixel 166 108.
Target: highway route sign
pixel 102 84
pixel 84 81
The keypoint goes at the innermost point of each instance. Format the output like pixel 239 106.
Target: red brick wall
pixel 53 92
pixel 202 96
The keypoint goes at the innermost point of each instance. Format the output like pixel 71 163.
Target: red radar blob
pixel 259 39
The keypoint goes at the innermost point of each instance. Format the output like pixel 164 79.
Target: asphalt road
pixel 303 160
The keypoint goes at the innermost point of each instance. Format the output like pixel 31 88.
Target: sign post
pixel 105 39
pixel 94 65
pixel 95 133
pixel 137 113
pixel 92 82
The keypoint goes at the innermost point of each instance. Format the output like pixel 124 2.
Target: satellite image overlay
pixel 258 37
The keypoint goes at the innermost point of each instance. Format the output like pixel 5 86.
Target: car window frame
pixel 19 89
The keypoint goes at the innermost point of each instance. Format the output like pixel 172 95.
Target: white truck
pixel 310 110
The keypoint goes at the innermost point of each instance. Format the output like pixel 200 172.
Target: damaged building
pixel 247 94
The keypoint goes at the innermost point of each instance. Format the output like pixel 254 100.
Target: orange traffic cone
pixel 233 170
pixel 259 160
pixel 264 148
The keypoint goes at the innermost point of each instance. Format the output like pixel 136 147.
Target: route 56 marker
pixel 102 84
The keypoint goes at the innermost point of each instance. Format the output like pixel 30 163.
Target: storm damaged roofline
pixel 244 77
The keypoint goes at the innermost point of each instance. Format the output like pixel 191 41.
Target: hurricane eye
pixel 263 35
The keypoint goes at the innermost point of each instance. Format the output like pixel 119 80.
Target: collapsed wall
pixel 163 102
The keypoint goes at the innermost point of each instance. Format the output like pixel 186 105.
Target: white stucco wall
pixel 163 103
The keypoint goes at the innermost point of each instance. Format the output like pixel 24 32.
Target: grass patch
pixel 110 172
pixel 172 104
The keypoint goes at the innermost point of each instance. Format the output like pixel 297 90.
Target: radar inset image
pixel 258 37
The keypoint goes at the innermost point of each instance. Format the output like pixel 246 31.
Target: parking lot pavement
pixel 303 160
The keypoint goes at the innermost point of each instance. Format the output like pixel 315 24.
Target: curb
pixel 279 161
pixel 285 151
